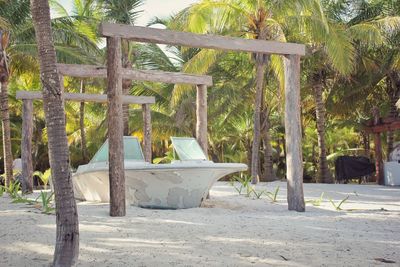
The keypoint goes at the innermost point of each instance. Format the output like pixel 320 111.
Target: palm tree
pixel 124 12
pixel 5 115
pixel 11 15
pixel 384 17
pixel 67 239
pixel 85 17
pixel 334 54
pixel 267 20
pixel 72 46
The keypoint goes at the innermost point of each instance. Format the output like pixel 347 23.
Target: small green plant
pixel 316 202
pixel 258 194
pixel 46 200
pixel 245 183
pixel 12 189
pixel 273 195
pixel 21 199
pixel 44 177
pixel 338 206
pixel 1 190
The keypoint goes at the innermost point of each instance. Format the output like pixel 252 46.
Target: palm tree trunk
pixel 260 70
pixel 4 109
pixel 82 124
pixel 323 172
pixel 5 123
pixel 67 238
pixel 269 174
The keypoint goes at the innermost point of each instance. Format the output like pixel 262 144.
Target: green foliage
pixel 316 202
pixel 168 158
pixel 258 194
pixel 353 45
pixel 244 181
pixel 337 206
pixel 273 195
pixel 46 202
pixel 44 177
pixel 12 189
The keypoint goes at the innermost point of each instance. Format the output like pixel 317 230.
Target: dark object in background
pixel 347 167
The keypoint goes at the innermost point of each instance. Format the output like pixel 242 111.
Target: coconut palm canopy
pixel 352 64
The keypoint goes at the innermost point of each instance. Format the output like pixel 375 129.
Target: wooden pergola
pixel 115 74
pixel 93 71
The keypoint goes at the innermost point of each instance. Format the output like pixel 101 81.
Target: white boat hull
pixel 166 186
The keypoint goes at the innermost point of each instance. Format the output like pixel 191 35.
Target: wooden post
pixel 380 179
pixel 294 158
pixel 26 146
pixel 147 132
pixel 201 115
pixel 115 128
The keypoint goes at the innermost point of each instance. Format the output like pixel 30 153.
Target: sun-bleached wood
pixel 380 179
pixel 294 157
pixel 115 128
pixel 26 146
pixel 98 98
pixel 147 132
pixel 161 36
pixel 201 115
pixel 93 71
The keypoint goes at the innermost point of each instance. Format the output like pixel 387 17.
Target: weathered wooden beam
pixel 26 146
pixel 201 116
pixel 115 128
pixel 161 36
pixel 82 71
pixel 90 71
pixel 380 179
pixel 294 157
pixel 147 132
pixel 97 98
pixel 380 128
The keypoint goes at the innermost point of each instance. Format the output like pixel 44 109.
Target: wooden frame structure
pixel 291 53
pixel 93 71
pixel 27 98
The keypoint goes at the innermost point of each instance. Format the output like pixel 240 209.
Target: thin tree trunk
pixel 5 124
pixel 26 146
pixel 269 174
pixel 201 118
pixel 378 149
pixel 323 171
pixel 146 110
pixel 248 155
pixel 67 238
pixel 82 124
pixel 260 72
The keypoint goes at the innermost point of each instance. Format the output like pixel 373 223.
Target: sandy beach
pixel 230 230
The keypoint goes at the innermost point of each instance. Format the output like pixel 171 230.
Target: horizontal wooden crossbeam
pixel 97 98
pixel 381 128
pixel 90 71
pixel 161 36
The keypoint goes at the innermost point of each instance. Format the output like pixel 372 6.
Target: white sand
pixel 231 230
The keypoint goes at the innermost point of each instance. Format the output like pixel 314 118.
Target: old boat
pixel 184 183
